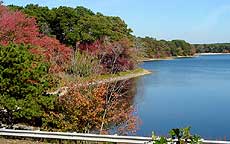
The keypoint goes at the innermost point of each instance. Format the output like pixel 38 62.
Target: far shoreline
pixel 178 57
pixel 166 58
pixel 212 54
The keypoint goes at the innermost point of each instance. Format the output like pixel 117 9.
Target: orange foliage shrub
pixel 99 109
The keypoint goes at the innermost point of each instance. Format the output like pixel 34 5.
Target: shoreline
pixel 109 79
pixel 155 59
pixel 178 57
pixel 126 77
pixel 212 54
pixel 166 58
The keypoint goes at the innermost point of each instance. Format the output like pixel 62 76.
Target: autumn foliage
pixel 114 56
pixel 95 109
pixel 56 53
pixel 16 27
pixel 99 108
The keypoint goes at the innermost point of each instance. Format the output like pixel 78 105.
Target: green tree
pixel 186 48
pixel 71 25
pixel 43 16
pixel 24 80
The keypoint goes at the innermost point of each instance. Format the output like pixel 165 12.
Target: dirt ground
pixel 16 141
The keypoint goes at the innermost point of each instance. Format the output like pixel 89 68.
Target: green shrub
pixel 178 136
pixel 85 65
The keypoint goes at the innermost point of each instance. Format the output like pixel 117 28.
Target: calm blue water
pixel 186 92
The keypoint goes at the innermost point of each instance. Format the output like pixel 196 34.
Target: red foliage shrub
pixel 114 57
pixel 17 28
pixel 56 53
pixel 93 48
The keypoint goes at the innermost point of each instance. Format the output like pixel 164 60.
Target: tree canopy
pixel 71 25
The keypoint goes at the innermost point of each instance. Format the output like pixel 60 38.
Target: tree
pixel 43 17
pixel 94 108
pixel 72 25
pixel 113 56
pixel 16 27
pixel 185 47
pixel 84 107
pixel 24 79
pixel 152 48
pixel 57 54
pixel 80 27
pixel 212 48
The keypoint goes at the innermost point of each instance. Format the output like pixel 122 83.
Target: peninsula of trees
pixel 151 48
pixel 71 25
pixel 49 62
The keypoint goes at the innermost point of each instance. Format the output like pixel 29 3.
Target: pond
pixel 186 92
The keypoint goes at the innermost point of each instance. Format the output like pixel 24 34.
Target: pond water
pixel 186 92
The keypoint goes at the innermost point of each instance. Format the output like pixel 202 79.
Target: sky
pixel 196 21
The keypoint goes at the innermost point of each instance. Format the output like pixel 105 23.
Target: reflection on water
pixel 186 92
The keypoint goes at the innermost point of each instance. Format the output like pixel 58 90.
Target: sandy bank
pixel 125 77
pixel 213 54
pixel 166 58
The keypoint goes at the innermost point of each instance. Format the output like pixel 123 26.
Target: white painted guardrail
pixel 74 136
pixel 86 137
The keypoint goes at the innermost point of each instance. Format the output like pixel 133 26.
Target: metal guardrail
pixel 74 136
pixel 215 142
pixel 86 137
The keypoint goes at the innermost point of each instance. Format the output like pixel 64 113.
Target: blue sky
pixel 196 21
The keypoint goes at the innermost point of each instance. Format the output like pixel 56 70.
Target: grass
pixel 120 74
pixel 106 77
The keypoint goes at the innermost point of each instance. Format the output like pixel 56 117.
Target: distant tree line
pixel 151 48
pixel 213 48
